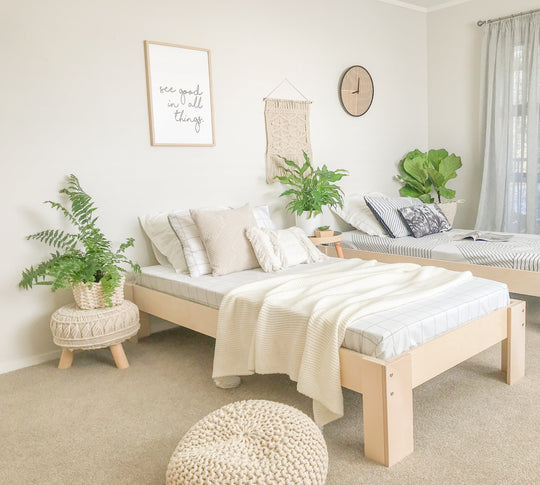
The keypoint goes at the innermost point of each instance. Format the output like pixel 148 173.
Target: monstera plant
pixel 423 173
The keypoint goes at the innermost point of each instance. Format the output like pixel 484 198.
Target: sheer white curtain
pixel 510 101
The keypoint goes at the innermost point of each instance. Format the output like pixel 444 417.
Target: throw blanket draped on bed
pixel 294 324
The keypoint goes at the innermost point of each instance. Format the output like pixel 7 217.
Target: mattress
pixel 521 251
pixel 382 335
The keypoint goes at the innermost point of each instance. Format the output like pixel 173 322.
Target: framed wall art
pixel 179 86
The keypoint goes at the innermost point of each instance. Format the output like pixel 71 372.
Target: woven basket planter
pixel 88 298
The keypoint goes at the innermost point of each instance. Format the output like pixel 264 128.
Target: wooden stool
pixel 73 329
pixel 335 240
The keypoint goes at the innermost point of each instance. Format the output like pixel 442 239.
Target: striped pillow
pixel 386 212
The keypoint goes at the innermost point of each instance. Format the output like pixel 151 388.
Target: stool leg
pixel 339 250
pixel 119 356
pixel 65 359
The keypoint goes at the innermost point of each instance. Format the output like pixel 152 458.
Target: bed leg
pixel 513 348
pixel 388 410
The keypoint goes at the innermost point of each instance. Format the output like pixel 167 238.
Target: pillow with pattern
pixel 425 219
pixel 386 212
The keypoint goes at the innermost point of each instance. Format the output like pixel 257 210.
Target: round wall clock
pixel 356 90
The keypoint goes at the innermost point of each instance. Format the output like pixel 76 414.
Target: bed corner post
pixel 388 409
pixel 513 347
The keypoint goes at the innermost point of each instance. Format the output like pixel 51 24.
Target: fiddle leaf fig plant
pixel 421 173
pixel 311 188
pixel 83 256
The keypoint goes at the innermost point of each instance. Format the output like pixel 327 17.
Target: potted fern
pixel 85 260
pixel 311 190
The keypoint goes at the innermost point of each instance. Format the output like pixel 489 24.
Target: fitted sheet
pixel 521 252
pixel 382 335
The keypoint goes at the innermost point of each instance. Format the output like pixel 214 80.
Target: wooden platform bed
pixel 386 386
pixel 517 280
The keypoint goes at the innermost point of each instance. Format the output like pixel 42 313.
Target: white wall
pixel 74 101
pixel 454 50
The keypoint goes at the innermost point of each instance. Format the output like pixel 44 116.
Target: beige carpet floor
pixel 94 424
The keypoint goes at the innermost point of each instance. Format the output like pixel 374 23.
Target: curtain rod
pixel 482 22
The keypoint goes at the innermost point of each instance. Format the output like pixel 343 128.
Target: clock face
pixel 356 91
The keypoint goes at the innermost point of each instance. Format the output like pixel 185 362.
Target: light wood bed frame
pixel 386 386
pixel 518 281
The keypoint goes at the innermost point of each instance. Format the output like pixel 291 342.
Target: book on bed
pixel 483 236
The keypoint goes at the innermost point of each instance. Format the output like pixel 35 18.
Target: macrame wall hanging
pixel 287 132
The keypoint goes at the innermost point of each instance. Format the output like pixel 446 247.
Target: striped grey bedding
pixel 522 251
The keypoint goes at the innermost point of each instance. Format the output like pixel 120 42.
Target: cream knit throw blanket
pixel 295 324
pixel 287 134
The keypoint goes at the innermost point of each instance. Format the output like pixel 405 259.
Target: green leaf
pixel 408 191
pixel 435 157
pixel 436 178
pixel 416 168
pixel 426 198
pixel 447 193
pixel 449 166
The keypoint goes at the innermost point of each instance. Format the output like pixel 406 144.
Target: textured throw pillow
pixel 262 216
pixel 223 234
pixel 264 250
pixel 425 219
pixel 166 246
pixel 386 212
pixel 356 213
pixel 283 248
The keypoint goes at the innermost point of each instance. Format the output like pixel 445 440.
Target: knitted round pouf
pixel 251 442
pixel 73 328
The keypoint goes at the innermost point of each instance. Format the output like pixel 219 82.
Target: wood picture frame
pixel 179 91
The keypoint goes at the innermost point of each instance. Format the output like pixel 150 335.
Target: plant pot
pixel 308 225
pixel 327 233
pixel 449 209
pixel 88 298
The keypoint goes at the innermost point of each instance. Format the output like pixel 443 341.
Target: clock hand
pixel 357 88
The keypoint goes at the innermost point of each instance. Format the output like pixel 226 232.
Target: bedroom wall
pixel 74 101
pixel 454 49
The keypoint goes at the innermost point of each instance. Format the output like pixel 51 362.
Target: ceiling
pixel 426 5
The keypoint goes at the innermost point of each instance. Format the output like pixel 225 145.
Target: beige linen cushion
pixel 165 245
pixel 223 234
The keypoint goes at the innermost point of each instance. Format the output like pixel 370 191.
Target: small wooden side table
pixel 335 240
pixel 73 329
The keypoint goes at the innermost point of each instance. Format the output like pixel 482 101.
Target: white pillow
pixel 262 216
pixel 160 257
pixel 164 240
pixel 356 212
pixel 263 249
pixel 190 237
pixel 281 249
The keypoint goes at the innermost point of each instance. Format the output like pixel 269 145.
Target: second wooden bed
pixel 386 385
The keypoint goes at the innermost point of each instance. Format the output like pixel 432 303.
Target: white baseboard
pixel 29 361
